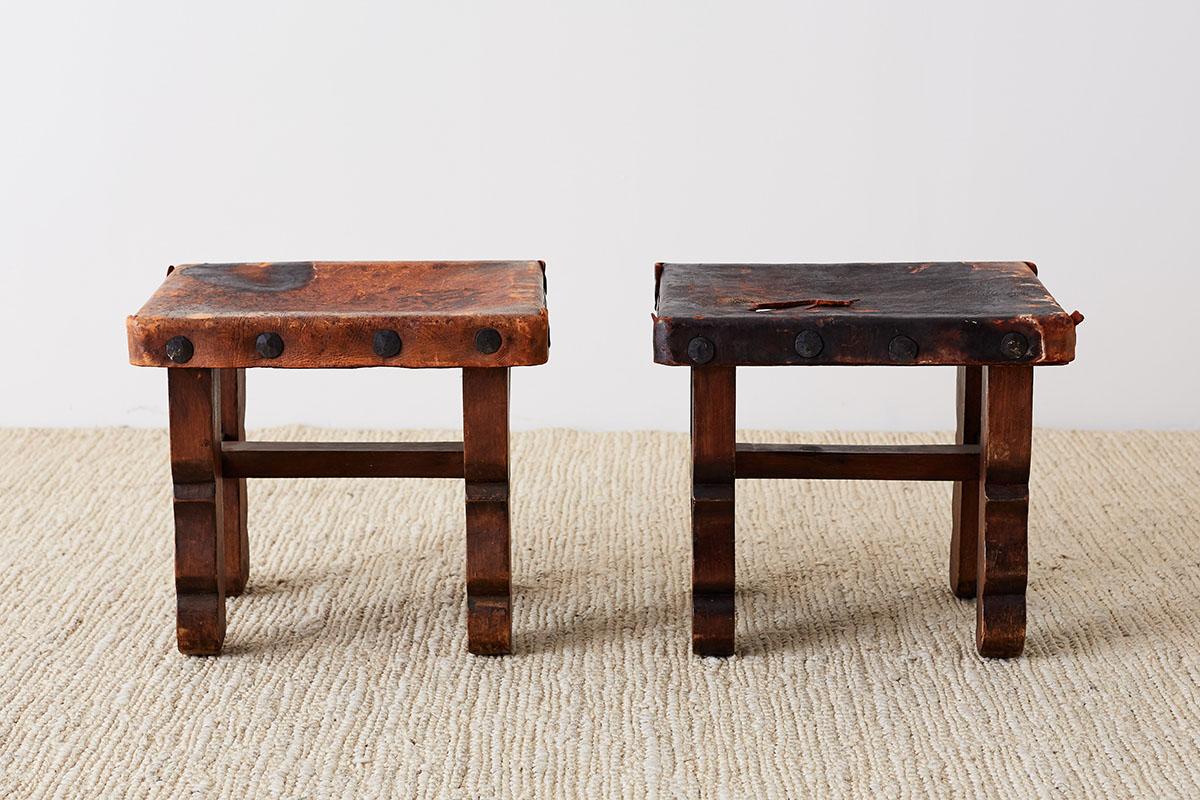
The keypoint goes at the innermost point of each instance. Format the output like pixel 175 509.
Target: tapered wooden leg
pixel 199 526
pixel 485 467
pixel 233 429
pixel 965 535
pixel 1002 560
pixel 713 441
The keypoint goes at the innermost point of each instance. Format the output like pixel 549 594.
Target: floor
pixel 346 673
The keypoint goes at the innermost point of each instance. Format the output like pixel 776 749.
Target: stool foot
pixel 713 447
pixel 1002 558
pixel 485 467
pixel 489 625
pixel 200 624
pixel 233 429
pixel 1000 625
pixel 712 624
pixel 199 510
pixel 965 536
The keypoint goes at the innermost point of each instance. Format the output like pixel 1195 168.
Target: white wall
pixel 600 137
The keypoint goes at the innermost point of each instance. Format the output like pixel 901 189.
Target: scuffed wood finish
pixel 992 320
pixel 326 314
pixel 1002 558
pixel 485 467
pixel 713 469
pixel 209 322
pixel 233 429
pixel 965 508
pixel 918 462
pixel 951 313
pixel 199 510
pixel 342 459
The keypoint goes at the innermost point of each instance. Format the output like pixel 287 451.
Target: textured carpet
pixel 346 672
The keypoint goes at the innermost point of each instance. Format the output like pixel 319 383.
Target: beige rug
pixel 346 673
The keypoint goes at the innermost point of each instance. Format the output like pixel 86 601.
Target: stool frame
pixel 993 321
pixel 989 465
pixel 208 322
pixel 211 460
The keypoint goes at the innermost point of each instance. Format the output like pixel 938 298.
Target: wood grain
pixel 485 467
pixel 992 320
pixel 342 459
pixel 921 462
pixel 199 510
pixel 1002 558
pixel 713 469
pixel 232 414
pixel 964 536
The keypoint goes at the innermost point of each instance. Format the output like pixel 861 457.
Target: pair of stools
pixel 207 323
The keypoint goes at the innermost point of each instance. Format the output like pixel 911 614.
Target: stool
pixel 994 321
pixel 208 323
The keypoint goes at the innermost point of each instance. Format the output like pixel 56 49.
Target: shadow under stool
pixel 993 321
pixel 208 323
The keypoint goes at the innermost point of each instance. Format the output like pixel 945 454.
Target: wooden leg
pixel 233 429
pixel 1002 565
pixel 199 530
pixel 485 467
pixel 713 440
pixel 965 535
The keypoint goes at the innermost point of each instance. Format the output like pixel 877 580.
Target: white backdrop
pixel 600 137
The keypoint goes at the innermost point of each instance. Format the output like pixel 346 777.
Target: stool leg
pixel 713 442
pixel 1002 565
pixel 233 429
pixel 199 530
pixel 965 535
pixel 485 467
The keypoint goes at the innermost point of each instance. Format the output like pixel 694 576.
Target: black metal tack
pixel 701 350
pixel 1014 346
pixel 179 349
pixel 269 345
pixel 902 348
pixel 487 340
pixel 809 344
pixel 386 343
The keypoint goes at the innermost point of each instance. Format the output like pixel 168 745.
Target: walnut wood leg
pixel 965 535
pixel 233 429
pixel 1002 565
pixel 199 529
pixel 485 467
pixel 713 441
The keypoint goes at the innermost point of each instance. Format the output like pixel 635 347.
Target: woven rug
pixel 346 672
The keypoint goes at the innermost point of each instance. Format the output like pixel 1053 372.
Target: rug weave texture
pixel 346 672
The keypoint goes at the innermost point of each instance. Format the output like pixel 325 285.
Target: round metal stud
pixel 902 348
pixel 809 344
pixel 1014 346
pixel 269 345
pixel 701 350
pixel 487 340
pixel 386 343
pixel 179 349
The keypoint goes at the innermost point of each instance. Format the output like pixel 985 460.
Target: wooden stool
pixel 994 321
pixel 208 322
